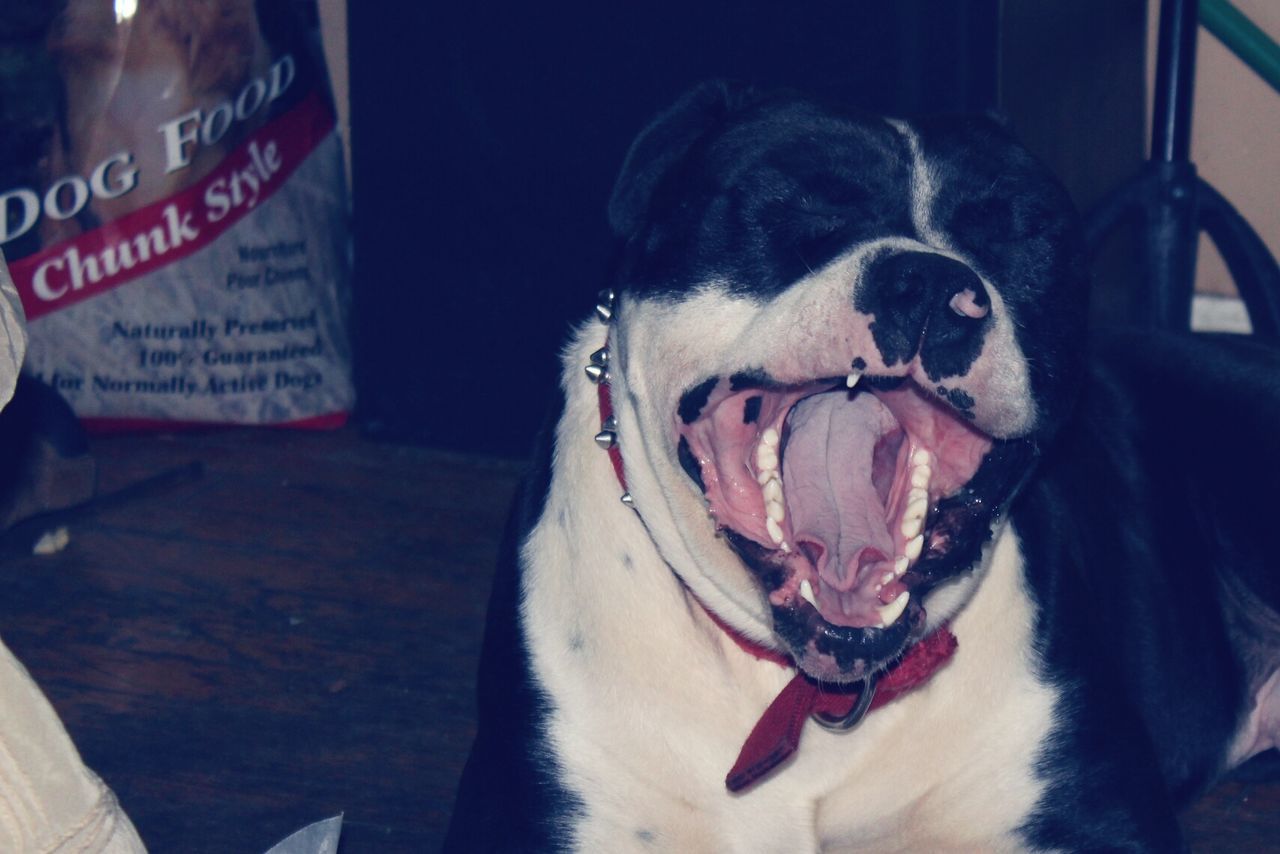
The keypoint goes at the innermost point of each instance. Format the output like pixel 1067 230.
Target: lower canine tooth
pixel 775 531
pixel 806 592
pixel 890 613
pixel 900 565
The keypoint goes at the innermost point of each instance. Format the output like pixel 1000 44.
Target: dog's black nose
pixel 926 303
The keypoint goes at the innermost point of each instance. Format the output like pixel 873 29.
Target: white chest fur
pixel 652 703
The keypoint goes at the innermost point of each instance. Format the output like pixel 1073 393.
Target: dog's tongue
pixel 838 466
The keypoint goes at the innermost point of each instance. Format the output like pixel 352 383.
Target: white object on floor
pixel 50 802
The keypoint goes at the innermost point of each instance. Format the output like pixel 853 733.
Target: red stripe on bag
pixel 175 227
pixel 99 426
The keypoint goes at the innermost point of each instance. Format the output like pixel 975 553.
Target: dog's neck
pixel 776 735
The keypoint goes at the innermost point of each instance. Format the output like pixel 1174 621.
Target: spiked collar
pixel 776 736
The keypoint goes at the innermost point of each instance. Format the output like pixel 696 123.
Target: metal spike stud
pixel 597 374
pixel 606 439
pixel 628 500
pixel 611 424
pixel 600 357
pixel 604 306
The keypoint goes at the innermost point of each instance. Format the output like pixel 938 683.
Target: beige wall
pixel 1235 140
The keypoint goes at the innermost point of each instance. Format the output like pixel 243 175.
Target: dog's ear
pixel 664 142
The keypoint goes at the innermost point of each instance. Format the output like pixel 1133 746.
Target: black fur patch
pixel 692 401
pixel 512 797
pixel 755 190
pixel 961 400
pixel 749 379
pixel 689 463
pixel 751 411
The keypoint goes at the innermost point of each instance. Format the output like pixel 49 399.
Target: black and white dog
pixel 875 480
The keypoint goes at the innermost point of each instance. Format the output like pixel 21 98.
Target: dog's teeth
pixel 917 494
pixel 912 525
pixel 900 565
pixel 773 490
pixel 775 510
pixel 766 475
pixel 770 437
pixel 917 508
pixel 774 529
pixel 766 457
pixel 890 613
pixel 885 579
pixel 852 380
pixel 921 457
pixel 914 547
pixel 806 592
pixel 920 476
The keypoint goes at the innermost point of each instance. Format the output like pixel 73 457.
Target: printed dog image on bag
pixel 176 219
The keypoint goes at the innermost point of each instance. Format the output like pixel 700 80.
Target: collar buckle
pixel 856 714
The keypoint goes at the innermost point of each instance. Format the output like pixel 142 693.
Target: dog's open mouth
pixel 834 496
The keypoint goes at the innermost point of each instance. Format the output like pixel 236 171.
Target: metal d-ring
pixel 856 714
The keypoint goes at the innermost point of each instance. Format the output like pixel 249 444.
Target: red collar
pixel 776 736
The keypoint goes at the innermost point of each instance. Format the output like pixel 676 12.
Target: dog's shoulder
pixel 511 798
pixel 1139 517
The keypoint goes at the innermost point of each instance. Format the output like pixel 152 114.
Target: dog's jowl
pixel 847 539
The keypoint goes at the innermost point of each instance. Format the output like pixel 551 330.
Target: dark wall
pixel 1072 80
pixel 485 139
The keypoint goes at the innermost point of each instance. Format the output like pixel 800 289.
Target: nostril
pixel 966 304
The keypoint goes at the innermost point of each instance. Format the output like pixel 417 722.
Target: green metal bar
pixel 1243 38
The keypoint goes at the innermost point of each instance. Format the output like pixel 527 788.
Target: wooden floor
pixel 294 634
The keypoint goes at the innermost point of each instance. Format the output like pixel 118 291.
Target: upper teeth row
pixel 917 503
pixel 770 481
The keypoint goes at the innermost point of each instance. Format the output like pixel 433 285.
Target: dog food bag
pixel 173 209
